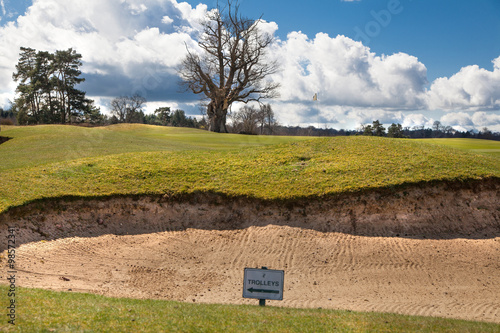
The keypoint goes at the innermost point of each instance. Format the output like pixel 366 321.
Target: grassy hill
pixel 486 147
pixel 45 144
pixel 56 161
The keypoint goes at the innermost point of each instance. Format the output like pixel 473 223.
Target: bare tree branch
pixel 232 66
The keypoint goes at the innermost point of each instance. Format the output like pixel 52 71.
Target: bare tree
pixel 127 108
pixel 266 119
pixel 119 108
pixel 245 120
pixel 232 66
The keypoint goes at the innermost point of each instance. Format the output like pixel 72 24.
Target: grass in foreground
pixel 293 170
pixel 47 311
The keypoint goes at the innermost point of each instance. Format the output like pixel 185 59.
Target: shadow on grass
pixel 4 139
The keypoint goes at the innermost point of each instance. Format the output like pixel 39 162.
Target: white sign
pixel 263 284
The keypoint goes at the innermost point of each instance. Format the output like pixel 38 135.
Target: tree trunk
pixel 217 119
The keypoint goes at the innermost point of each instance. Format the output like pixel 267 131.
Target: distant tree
pixel 91 114
pixel 485 133
pixel 375 129
pixel 246 120
pixel 378 129
pixel 437 129
pixel 266 119
pixel 151 119
pixel 202 124
pixel 29 101
pixel 163 115
pixel 367 130
pixel 119 108
pixel 128 109
pixel 232 66
pixel 179 119
pixel 7 117
pixel 395 131
pixel 448 131
pixel 436 126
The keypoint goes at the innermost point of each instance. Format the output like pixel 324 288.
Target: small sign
pixel 263 284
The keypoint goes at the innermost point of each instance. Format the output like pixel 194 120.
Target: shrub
pixel 6 121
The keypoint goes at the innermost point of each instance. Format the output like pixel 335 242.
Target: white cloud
pixel 2 5
pixel 268 28
pixel 468 121
pixel 137 9
pixel 471 88
pixel 117 38
pixel 484 119
pixel 461 119
pixel 345 72
pixel 417 119
pixel 167 20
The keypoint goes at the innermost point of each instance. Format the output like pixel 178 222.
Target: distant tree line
pixel 130 109
pixel 394 130
pixel 7 117
pixel 250 120
pixel 421 132
pixel 46 87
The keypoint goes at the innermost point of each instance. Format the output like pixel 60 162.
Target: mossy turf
pixel 485 147
pixel 157 160
pixel 48 311
pixel 46 144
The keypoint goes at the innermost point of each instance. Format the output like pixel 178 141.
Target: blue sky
pixel 445 35
pixel 406 61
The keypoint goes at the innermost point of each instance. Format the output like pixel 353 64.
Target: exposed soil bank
pixel 448 210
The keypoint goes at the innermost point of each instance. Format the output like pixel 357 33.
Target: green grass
pixel 45 144
pixel 181 161
pixel 487 147
pixel 48 311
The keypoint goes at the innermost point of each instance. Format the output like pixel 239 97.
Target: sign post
pixel 263 284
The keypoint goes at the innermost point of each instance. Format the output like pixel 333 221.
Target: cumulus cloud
pixel 167 20
pixel 345 72
pixel 469 89
pixel 473 120
pixel 461 119
pixel 416 119
pixel 123 42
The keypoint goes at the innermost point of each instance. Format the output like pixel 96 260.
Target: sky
pixel 398 61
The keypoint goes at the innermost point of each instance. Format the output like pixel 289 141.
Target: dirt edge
pixel 444 210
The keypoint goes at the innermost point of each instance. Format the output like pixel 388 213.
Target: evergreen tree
pixel 395 131
pixel 46 88
pixel 378 129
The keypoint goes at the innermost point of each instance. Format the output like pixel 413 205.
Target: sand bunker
pixel 431 251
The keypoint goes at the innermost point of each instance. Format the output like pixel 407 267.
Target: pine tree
pixel 46 88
